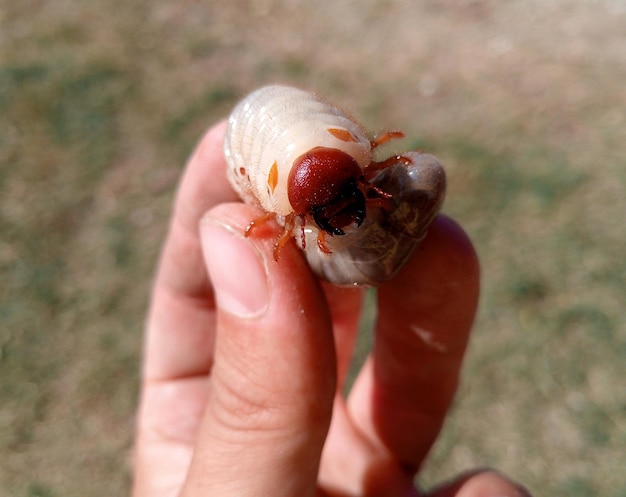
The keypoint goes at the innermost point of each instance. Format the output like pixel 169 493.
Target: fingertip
pixel 211 140
pixel 449 228
pixel 485 483
pixel 283 283
pixel 236 268
pixel 204 184
pixel 439 287
pixel 208 154
pixel 447 236
pixel 446 254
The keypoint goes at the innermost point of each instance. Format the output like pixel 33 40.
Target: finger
pixel 480 484
pixel 424 317
pixel 273 378
pixel 356 461
pixel 353 465
pixel 345 307
pixel 181 317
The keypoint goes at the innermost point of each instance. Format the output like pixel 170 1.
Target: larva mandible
pixel 311 166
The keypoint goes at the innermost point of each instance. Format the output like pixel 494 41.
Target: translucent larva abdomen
pixel 273 126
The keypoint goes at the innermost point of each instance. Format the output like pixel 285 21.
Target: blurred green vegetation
pixel 100 104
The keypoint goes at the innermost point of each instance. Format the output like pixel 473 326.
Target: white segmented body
pixel 273 126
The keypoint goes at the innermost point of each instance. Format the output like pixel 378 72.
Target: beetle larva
pixel 311 166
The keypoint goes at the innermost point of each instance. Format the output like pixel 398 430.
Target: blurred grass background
pixel 524 101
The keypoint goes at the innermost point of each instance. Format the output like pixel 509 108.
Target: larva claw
pixel 385 137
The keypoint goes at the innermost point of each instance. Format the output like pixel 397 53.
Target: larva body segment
pixel 272 127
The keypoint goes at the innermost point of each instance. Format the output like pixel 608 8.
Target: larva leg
pixel 285 236
pixel 375 196
pixel 373 167
pixel 321 242
pixel 367 188
pixel 385 137
pixel 259 221
pixel 302 232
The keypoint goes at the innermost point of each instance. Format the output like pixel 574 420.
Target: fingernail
pixel 236 270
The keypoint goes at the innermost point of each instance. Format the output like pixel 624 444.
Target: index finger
pixel 425 315
pixel 181 318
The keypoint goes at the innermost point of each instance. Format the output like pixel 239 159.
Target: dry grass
pixel 524 101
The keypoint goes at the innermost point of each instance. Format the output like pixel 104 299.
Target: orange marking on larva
pixel 242 171
pixel 342 134
pixel 272 177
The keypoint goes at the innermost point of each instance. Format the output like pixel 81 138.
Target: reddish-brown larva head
pixel 324 184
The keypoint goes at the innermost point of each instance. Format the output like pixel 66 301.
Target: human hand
pixel 245 360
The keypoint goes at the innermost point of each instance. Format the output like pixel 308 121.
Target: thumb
pixel 273 379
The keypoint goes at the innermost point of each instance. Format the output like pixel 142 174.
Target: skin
pixel 244 358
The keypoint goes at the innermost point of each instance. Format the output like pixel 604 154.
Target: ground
pixel 524 101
